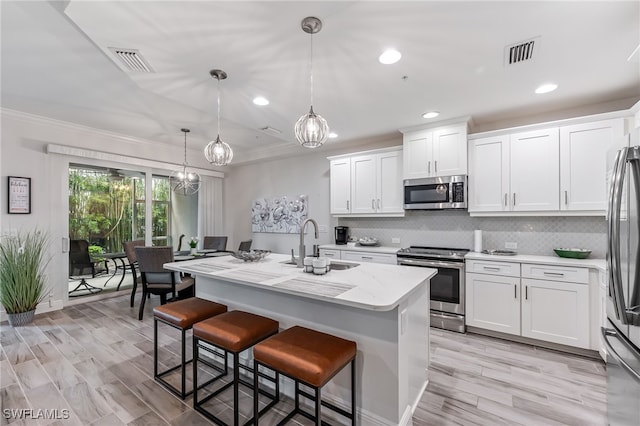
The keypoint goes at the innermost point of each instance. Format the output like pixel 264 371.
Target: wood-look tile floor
pixel 96 361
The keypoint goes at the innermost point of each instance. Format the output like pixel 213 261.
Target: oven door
pixel 447 286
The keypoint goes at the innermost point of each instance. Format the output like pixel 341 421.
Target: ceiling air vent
pixel 519 52
pixel 131 59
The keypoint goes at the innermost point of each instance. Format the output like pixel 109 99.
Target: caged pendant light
pixel 218 152
pixel 183 180
pixel 311 129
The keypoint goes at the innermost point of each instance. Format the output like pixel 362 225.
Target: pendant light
pixel 218 152
pixel 311 129
pixel 183 180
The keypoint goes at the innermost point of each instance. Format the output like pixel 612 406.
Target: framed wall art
pixel 19 193
pixel 279 214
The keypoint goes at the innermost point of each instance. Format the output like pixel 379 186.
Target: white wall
pixel 304 175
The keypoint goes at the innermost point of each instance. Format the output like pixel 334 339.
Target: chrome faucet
pixel 301 251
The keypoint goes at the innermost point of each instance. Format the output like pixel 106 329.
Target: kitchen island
pixel 384 308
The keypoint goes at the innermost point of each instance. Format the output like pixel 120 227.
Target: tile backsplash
pixel 454 229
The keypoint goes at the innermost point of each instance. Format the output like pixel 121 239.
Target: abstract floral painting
pixel 279 214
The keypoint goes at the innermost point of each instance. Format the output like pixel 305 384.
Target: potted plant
pixel 22 280
pixel 193 243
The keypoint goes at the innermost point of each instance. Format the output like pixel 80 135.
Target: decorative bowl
pixel 573 253
pixel 251 256
pixel 368 241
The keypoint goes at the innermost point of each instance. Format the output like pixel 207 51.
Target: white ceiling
pixel 56 63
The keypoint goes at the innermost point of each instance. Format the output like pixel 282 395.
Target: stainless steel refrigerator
pixel 622 334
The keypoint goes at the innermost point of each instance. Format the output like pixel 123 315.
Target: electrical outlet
pixel 395 240
pixel 323 229
pixel 512 246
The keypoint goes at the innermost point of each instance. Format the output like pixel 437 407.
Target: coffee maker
pixel 342 234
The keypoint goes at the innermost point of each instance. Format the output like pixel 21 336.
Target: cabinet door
pixel 450 151
pixel 417 148
pixel 535 170
pixel 556 312
pixel 389 184
pixel 583 164
pixel 489 174
pixel 363 184
pixel 340 185
pixel 493 302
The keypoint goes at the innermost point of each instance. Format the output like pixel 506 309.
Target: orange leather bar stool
pixel 311 358
pixel 234 332
pixel 181 315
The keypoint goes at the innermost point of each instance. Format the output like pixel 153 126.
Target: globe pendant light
pixel 183 180
pixel 218 152
pixel 311 129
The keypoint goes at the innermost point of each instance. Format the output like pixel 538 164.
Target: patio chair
pixel 81 266
pixel 157 280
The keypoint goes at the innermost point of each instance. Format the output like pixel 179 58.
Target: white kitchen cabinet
pixel 440 151
pixel 534 170
pixel 583 156
pixel 340 185
pixel 371 186
pixel 493 302
pixel 363 256
pixel 556 312
pixel 332 254
pixel 489 174
pixel 517 172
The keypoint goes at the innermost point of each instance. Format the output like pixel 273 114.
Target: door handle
pixel 514 199
pixel 506 199
pixel 378 203
pixel 606 333
pixel 347 204
pixel 435 163
pixel 429 167
pixel 373 204
pixel 526 292
pixel 566 197
pixel 515 291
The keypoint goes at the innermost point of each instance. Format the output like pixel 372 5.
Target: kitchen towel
pixel 477 241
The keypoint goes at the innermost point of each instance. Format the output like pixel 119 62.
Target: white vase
pixel 193 250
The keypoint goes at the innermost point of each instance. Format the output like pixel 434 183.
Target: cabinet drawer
pixel 360 256
pixel 507 269
pixel 556 273
pixel 333 254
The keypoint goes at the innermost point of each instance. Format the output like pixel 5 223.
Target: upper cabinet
pixel 554 170
pixel 367 183
pixel 440 151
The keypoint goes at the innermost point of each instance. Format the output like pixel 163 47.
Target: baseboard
pixel 48 306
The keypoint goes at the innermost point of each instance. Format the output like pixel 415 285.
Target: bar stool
pixel 234 332
pixel 181 315
pixel 311 358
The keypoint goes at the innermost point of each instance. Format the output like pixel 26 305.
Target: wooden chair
pixel 245 245
pixel 156 279
pixel 129 248
pixel 82 266
pixel 215 243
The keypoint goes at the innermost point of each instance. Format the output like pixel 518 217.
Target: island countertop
pixel 369 286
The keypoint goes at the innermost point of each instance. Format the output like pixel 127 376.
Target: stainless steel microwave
pixel 446 192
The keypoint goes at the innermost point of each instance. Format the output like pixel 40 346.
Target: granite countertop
pixel 369 286
pixel 370 249
pixel 593 263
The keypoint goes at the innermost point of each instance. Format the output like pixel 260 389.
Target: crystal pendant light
pixel 183 180
pixel 311 129
pixel 218 152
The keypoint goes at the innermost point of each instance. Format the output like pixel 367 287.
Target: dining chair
pixel 82 266
pixel 245 245
pixel 130 250
pixel 157 280
pixel 215 243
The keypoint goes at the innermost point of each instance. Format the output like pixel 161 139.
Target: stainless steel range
pixel 447 286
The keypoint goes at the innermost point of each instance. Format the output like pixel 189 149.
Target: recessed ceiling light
pixel 546 88
pixel 390 56
pixel 259 100
pixel 333 135
pixel 430 114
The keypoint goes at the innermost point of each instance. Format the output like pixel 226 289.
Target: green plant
pixel 22 263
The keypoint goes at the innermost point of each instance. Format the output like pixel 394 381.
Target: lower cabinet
pixel 359 256
pixel 554 310
pixel 493 302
